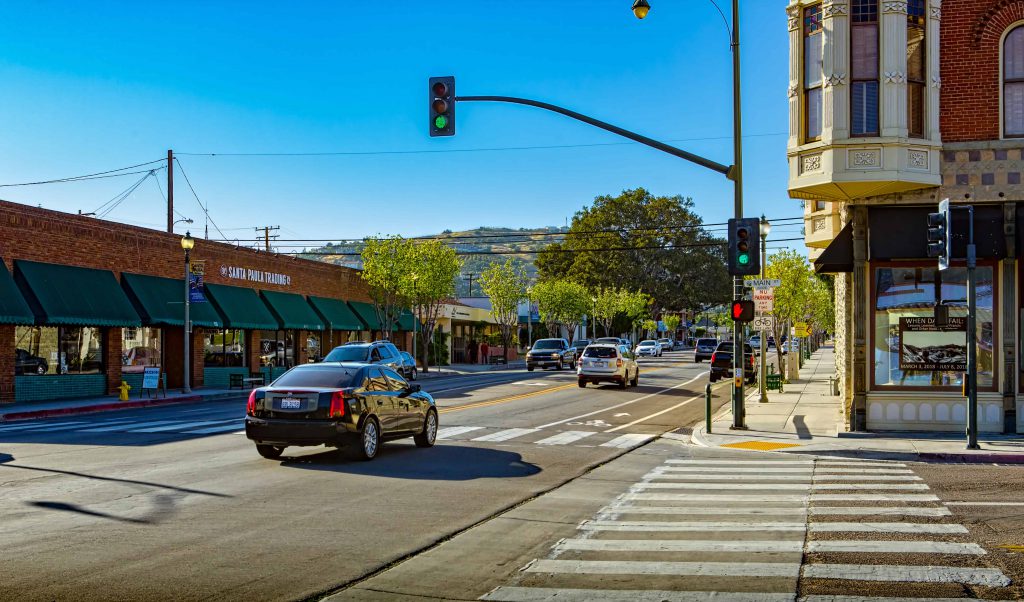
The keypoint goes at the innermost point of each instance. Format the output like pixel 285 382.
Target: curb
pixel 107 407
pixel 967 458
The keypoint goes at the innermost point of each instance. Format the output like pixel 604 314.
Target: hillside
pixel 493 245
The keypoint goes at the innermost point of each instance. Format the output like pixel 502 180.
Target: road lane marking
pixel 867 477
pixel 553 594
pixel 565 437
pixel 507 434
pixel 690 569
pixel 723 486
pixel 853 471
pixel 984 503
pixel 871 497
pixel 107 429
pixel 870 486
pixel 453 431
pixel 869 510
pixel 22 426
pixel 907 574
pixel 703 497
pixel 493 402
pixel 670 476
pixel 625 403
pixel 630 440
pixel 679 545
pixel 684 526
pixel 831 463
pixel 930 528
pixel 646 418
pixel 794 511
pixel 897 547
pixel 182 426
pixel 740 462
pixel 808 470
pixel 224 428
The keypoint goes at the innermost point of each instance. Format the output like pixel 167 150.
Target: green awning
pixel 367 314
pixel 406 321
pixel 336 314
pixel 161 302
pixel 292 311
pixel 13 308
pixel 241 307
pixel 63 294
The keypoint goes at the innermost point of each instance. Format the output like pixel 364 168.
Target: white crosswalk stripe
pixel 626 441
pixel 452 431
pixel 565 437
pixel 759 527
pixel 506 434
pixel 180 426
pixel 137 425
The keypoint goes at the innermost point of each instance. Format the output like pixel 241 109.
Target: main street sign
pixel 763 283
pixel 763 323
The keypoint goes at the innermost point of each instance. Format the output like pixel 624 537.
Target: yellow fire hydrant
pixel 125 387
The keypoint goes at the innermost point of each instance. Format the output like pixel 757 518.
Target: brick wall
pixel 112 339
pixel 7 365
pixel 971 32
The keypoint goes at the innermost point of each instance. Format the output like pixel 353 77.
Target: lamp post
pixel 187 242
pixel 529 318
pixel 766 228
pixel 593 317
pixel 415 278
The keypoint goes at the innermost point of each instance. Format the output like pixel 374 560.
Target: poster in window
pixel 927 346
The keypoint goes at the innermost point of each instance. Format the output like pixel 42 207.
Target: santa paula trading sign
pixel 239 273
pixel 926 346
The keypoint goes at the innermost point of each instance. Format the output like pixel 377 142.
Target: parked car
pixel 555 353
pixel 377 352
pixel 608 363
pixel 580 344
pixel 721 362
pixel 704 349
pixel 666 344
pixel 678 345
pixel 409 369
pixel 609 341
pixel 790 346
pixel 26 363
pixel 755 341
pixel 352 405
pixel 650 348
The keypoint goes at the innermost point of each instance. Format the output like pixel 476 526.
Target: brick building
pixel 86 303
pixel 895 105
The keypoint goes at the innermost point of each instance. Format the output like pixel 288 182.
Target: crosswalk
pixel 696 529
pixel 139 425
pixel 536 436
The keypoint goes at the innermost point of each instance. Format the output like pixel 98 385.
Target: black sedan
pixel 352 405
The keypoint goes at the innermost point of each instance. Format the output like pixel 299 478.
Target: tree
pixel 636 306
pixel 802 296
pixel 505 284
pixel 637 241
pixel 388 265
pixel 435 267
pixel 671 322
pixel 608 305
pixel 561 302
pixel 649 326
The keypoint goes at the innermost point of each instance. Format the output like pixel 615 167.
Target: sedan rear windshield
pixel 549 344
pixel 707 342
pixel 354 353
pixel 328 377
pixel 602 352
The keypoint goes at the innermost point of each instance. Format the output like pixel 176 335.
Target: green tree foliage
pixel 561 302
pixel 434 271
pixel 388 265
pixel 801 297
pixel 671 322
pixel 638 241
pixel 505 284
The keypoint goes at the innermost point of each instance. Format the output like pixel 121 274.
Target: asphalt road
pixel 173 503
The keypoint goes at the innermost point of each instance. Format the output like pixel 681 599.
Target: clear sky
pixel 94 86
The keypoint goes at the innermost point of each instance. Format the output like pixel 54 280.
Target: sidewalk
pixel 806 418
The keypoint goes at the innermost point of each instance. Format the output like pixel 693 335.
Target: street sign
pixel 801 329
pixel 764 300
pixel 763 283
pixel 198 267
pixel 763 323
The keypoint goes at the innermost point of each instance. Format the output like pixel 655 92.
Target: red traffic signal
pixel 742 310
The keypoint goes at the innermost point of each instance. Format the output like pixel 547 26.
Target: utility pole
pixel 170 190
pixel 470 278
pixel 266 235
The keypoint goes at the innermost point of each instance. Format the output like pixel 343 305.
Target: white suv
pixel 608 363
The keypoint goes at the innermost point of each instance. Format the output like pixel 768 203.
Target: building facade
pixel 86 304
pixel 895 105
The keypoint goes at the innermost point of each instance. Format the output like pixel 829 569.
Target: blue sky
pixel 94 86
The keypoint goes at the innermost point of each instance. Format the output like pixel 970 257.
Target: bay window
pixel 812 73
pixel 864 68
pixel 916 70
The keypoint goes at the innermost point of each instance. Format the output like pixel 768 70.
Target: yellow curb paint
pixel 760 445
pixel 1012 548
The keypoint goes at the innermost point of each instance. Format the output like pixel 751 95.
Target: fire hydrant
pixel 125 387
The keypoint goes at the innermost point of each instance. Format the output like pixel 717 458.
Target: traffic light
pixel 939 234
pixel 744 254
pixel 742 310
pixel 442 106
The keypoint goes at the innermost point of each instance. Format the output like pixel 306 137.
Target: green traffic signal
pixel 440 122
pixel 743 259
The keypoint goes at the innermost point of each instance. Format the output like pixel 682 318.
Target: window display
pixel 140 348
pixel 51 350
pixel 224 348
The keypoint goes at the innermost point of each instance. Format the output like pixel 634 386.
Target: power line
pixel 92 176
pixel 461 150
pixel 201 206
pixel 105 209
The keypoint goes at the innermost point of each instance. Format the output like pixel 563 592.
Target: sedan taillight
pixel 618 362
pixel 250 406
pixel 713 357
pixel 337 405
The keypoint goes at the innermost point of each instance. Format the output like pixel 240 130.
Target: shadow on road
pixel 439 463
pixel 5 460
pixel 163 508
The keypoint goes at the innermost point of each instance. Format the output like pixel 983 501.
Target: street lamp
pixel 415 277
pixel 593 317
pixel 529 318
pixel 765 228
pixel 641 8
pixel 187 242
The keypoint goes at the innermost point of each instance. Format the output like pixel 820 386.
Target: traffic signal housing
pixel 442 106
pixel 939 234
pixel 742 310
pixel 744 252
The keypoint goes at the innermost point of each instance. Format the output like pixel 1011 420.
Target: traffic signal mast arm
pixel 727 171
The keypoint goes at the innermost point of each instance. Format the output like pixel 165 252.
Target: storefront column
pixel 252 350
pixel 113 340
pixel 861 292
pixel 1008 312
pixel 197 350
pixel 7 363
pixel 301 351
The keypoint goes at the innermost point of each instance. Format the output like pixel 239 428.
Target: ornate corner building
pixel 893 106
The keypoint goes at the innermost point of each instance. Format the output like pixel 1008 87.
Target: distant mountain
pixel 493 245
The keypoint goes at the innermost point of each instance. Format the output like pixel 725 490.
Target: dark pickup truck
pixel 721 362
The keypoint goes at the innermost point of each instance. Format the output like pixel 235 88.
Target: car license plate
pixel 291 403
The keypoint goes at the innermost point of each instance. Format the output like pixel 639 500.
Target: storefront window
pixel 910 349
pixel 224 348
pixel 140 348
pixel 277 348
pixel 64 350
pixel 313 349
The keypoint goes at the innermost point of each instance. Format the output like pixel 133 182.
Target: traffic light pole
pixel 972 335
pixel 738 410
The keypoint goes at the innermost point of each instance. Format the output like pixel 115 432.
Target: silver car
pixel 649 347
pixel 608 363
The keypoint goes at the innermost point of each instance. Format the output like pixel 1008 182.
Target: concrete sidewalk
pixel 807 418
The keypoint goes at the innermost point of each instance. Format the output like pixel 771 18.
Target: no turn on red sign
pixel 764 300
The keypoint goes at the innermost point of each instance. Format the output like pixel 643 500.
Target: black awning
pixel 837 257
pixel 902 232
